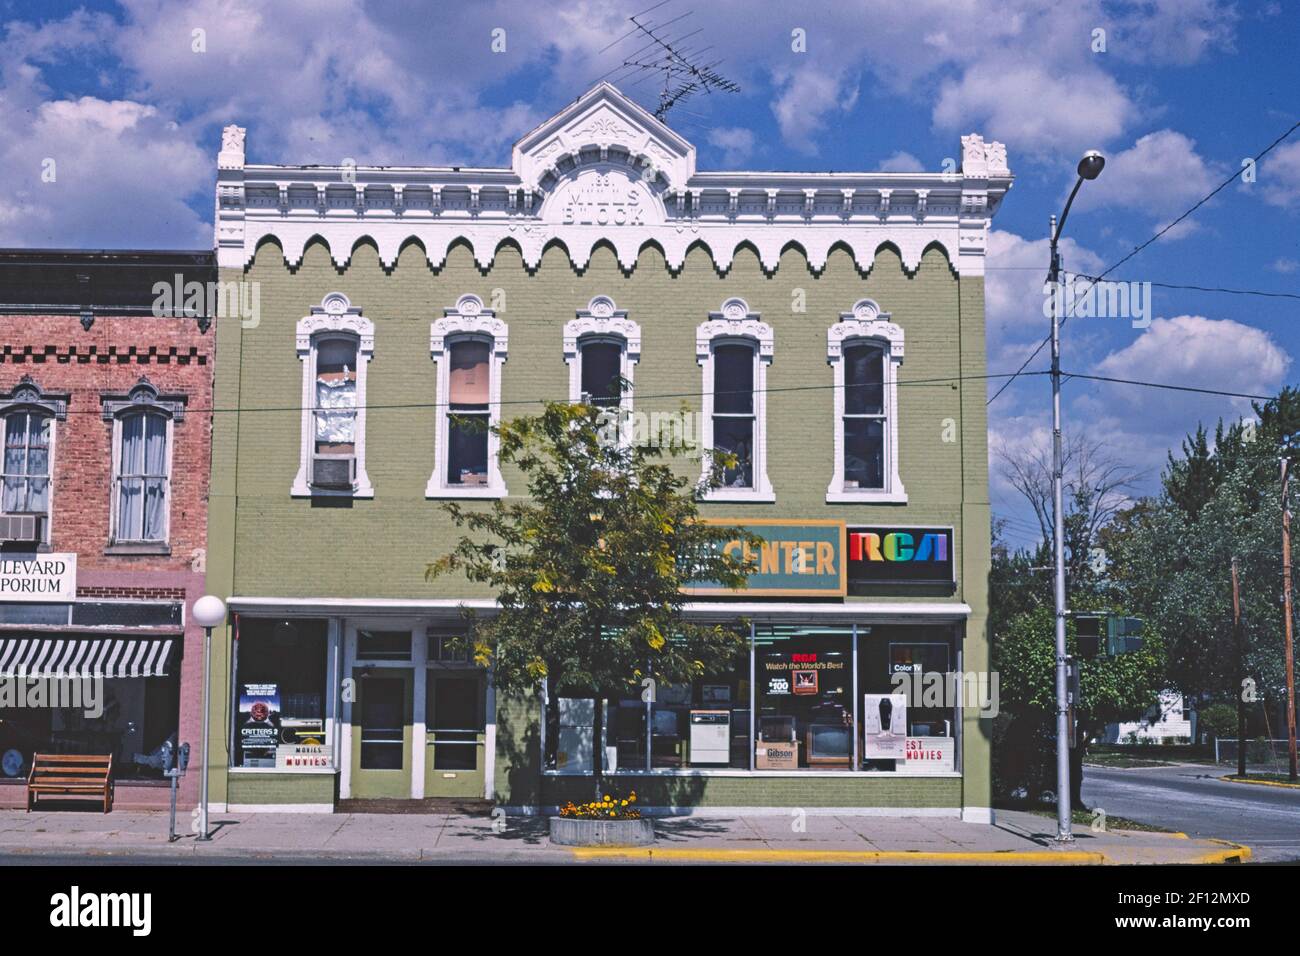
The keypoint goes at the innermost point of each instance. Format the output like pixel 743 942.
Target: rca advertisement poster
pixel 884 724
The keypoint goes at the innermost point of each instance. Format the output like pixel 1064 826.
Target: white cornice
pixel 605 170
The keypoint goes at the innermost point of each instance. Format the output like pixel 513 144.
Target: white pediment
pixel 600 120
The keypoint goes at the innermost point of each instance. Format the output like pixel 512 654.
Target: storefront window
pixel 804 689
pixel 279 689
pixel 908 725
pixel 118 697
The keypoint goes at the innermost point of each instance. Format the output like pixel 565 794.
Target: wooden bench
pixel 71 777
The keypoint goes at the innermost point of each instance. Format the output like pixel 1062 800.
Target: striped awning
pixel 78 657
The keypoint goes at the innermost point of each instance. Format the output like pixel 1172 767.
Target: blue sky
pixel 118 97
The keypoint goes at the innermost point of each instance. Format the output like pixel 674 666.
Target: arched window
pixel 28 417
pixel 143 420
pixel 865 351
pixel 469 344
pixel 735 348
pixel 335 345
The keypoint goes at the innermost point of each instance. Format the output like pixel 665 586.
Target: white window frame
pixel 28 397
pixel 603 321
pixel 143 399
pixel 468 320
pixel 865 322
pixel 735 324
pixel 335 317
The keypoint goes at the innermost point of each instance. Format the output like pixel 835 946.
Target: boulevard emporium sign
pixel 888 555
pixel 793 558
pixel 39 577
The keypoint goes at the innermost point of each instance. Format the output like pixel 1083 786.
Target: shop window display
pixel 804 696
pixel 279 689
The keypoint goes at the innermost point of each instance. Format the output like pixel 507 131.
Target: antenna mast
pixel 682 67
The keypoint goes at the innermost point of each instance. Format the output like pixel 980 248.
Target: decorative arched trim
pixel 865 321
pixel 30 396
pixel 732 323
pixel 467 319
pixel 334 317
pixel 602 320
pixel 144 397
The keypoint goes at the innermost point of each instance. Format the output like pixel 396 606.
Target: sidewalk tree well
pixel 590 570
pixel 1113 689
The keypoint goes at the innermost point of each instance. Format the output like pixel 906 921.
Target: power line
pixel 1200 288
pixel 1165 385
pixel 1137 249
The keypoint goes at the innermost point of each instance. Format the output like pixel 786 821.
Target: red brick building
pixel 105 418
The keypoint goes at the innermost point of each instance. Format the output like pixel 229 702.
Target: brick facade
pixel 108 359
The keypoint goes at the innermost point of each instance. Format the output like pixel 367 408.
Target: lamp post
pixel 1089 167
pixel 209 612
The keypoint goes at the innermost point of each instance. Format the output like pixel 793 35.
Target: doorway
pixel 382 731
pixel 455 760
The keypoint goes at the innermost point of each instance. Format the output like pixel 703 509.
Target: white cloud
pixel 901 162
pixel 1285 265
pixel 1034 108
pixel 807 97
pixel 1161 174
pixel 735 142
pixel 1279 176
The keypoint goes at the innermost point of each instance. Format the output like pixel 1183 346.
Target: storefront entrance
pixel 381 733
pixel 418 714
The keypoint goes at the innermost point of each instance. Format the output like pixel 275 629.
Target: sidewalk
pixel 1018 838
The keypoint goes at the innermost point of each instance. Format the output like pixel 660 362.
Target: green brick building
pixel 827 329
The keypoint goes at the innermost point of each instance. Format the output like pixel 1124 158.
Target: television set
pixel 779 728
pixel 829 744
pixel 665 723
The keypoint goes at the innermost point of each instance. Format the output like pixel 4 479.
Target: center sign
pixel 793 558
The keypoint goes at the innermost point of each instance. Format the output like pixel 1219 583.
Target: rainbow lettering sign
pixel 885 555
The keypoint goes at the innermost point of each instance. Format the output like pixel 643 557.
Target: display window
pixel 279 707
pixel 804 697
pixel 908 714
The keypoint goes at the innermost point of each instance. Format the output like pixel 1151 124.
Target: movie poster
pixel 259 723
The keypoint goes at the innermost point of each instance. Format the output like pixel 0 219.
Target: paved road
pixel 1194 800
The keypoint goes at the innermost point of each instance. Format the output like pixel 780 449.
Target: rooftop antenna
pixel 666 52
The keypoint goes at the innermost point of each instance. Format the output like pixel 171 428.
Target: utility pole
pixel 1089 168
pixel 1241 673
pixel 1286 601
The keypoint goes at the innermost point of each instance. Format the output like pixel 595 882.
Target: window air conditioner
pixel 21 528
pixel 334 472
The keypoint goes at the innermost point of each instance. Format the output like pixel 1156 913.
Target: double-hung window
pixel 27 421
pixel 865 351
pixel 602 347
pixel 469 344
pixel 735 348
pixel 335 345
pixel 143 424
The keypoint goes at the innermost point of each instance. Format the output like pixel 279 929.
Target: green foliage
pixel 589 569
pixel 1220 720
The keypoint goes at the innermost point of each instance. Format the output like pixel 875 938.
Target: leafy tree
pixel 590 569
pixel 1112 689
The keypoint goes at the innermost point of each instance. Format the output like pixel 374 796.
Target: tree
pixel 590 570
pixel 1111 689
pixel 1095 488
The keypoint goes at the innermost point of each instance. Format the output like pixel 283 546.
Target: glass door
pixel 454 720
pixel 381 733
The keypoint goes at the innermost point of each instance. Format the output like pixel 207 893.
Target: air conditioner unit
pixel 339 472
pixel 25 528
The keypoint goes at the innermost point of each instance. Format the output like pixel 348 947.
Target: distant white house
pixel 1166 722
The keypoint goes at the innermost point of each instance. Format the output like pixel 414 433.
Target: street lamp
pixel 1089 167
pixel 209 612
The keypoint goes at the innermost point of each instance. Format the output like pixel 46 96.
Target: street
pixel 1193 799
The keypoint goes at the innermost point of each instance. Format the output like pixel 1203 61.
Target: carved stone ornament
pixel 27 394
pixel 144 396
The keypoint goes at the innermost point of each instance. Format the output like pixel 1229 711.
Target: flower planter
pixel 574 831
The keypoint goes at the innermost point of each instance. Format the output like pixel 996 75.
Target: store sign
pixel 303 756
pixel 900 555
pixel 39 577
pixel 930 755
pixel 793 558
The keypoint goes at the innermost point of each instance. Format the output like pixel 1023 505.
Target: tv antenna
pixel 675 56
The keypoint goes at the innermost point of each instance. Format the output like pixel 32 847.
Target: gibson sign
pixel 884 555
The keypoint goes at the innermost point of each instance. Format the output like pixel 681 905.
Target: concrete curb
pixel 1261 783
pixel 706 855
